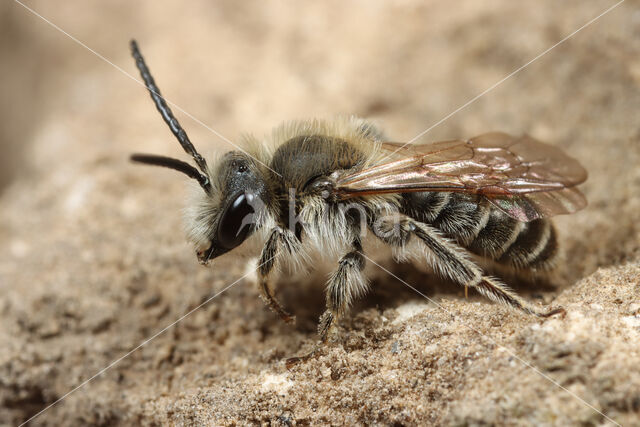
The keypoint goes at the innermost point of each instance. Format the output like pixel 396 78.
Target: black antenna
pixel 166 112
pixel 179 165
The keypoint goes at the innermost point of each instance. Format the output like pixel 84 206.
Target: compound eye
pixel 236 223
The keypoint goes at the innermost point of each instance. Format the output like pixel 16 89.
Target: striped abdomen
pixel 485 230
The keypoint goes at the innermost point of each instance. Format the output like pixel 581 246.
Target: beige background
pixel 93 262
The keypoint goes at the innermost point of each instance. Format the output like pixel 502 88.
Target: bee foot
pixel 558 310
pixel 289 319
pixel 293 361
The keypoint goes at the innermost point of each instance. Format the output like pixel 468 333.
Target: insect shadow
pixel 306 296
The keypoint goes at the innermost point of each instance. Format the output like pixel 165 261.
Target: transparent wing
pixel 525 178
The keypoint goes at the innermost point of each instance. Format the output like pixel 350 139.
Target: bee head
pixel 220 219
pixel 232 197
pixel 228 206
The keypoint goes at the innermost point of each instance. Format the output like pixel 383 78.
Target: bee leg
pixel 495 290
pixel 452 262
pixel 345 284
pixel 267 261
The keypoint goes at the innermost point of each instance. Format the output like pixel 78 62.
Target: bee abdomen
pixel 497 236
pixel 485 230
pixel 534 248
pixel 458 216
pixel 522 245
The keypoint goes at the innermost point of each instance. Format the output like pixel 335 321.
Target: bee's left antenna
pixel 166 112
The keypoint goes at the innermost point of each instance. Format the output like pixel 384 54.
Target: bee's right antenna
pixel 165 111
pixel 175 164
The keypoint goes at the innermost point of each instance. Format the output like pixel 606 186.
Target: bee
pixel 330 184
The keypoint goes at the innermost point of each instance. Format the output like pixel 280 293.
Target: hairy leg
pixel 267 261
pixel 345 284
pixel 451 261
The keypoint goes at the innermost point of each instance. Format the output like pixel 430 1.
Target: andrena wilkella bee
pixel 330 184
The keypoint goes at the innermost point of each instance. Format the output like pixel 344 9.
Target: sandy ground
pixel 93 262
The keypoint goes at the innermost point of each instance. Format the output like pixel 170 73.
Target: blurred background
pixel 91 259
pixel 245 67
